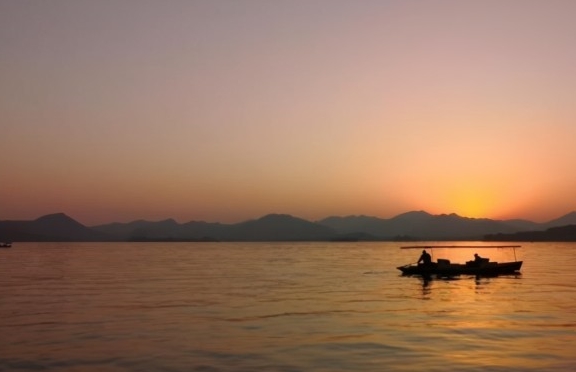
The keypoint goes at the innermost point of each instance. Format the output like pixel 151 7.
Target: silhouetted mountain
pixel 142 230
pixel 165 230
pixel 201 230
pixel 52 227
pixel 122 231
pixel 160 229
pixel 567 219
pixel 523 225
pixel 553 234
pixel 414 216
pixel 417 225
pixel 453 226
pixel 355 224
pixel 280 227
pixel 273 227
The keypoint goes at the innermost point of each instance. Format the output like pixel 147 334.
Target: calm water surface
pixel 278 307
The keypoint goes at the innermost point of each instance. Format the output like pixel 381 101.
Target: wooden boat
pixel 480 267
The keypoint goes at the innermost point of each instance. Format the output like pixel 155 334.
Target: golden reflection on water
pixel 486 311
pixel 282 306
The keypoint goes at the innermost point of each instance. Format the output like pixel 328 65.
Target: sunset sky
pixel 117 110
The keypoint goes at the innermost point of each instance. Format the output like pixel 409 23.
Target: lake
pixel 279 307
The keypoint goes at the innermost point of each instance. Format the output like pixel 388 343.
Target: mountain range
pixel 416 225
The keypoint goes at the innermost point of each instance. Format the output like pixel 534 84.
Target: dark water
pixel 278 307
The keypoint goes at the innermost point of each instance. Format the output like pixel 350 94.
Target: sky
pixel 224 111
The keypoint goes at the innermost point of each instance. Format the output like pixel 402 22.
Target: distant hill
pixel 52 227
pixel 420 225
pixel 567 219
pixel 273 227
pixel 280 227
pixel 553 234
pixel 416 225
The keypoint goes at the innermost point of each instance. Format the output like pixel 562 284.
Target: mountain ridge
pixel 412 225
pixel 50 227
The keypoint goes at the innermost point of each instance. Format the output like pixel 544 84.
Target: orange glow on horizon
pixel 474 201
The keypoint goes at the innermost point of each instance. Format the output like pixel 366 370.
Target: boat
pixel 5 245
pixel 478 267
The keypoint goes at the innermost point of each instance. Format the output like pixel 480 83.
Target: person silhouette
pixel 478 261
pixel 425 258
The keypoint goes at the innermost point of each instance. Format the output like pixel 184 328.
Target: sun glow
pixel 471 204
pixel 473 201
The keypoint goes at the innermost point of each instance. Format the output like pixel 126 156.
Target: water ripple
pixel 277 307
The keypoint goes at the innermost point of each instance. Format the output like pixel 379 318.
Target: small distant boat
pixel 479 267
pixel 5 245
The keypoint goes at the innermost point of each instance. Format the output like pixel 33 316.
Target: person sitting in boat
pixel 425 258
pixel 479 260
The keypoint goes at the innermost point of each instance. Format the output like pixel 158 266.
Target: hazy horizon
pixel 269 214
pixel 228 110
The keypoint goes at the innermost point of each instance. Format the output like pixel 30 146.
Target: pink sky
pixel 229 110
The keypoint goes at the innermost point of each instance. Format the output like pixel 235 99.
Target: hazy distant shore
pixel 410 226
